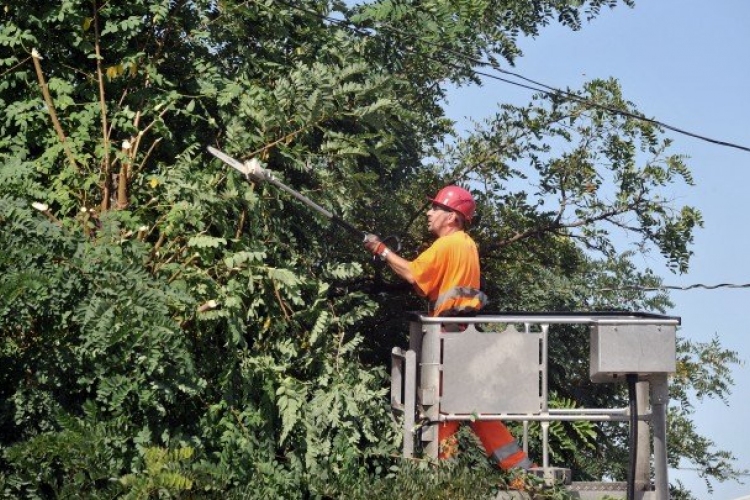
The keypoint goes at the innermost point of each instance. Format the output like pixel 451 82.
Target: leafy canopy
pixel 167 328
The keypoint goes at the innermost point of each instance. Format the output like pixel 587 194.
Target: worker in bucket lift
pixel 447 274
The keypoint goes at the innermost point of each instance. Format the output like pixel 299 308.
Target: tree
pixel 154 301
pixel 551 243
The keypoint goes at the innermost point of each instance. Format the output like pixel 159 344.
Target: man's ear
pixel 459 219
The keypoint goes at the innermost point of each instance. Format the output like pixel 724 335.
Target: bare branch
pixel 35 57
pixel 107 181
pixel 557 225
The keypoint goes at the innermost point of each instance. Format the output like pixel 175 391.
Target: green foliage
pixel 162 474
pixel 168 330
pixel 702 372
pixel 80 459
pixel 597 175
pixel 86 333
pixel 466 478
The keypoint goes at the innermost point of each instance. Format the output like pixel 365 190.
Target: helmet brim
pixel 449 209
pixel 441 205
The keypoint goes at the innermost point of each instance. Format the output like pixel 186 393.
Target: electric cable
pixel 698 469
pixel 695 286
pixel 540 87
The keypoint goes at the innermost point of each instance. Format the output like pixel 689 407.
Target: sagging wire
pixel 706 471
pixel 540 87
pixel 537 87
pixel 697 286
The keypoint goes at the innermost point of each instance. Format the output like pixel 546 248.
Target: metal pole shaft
pixel 643 464
pixel 410 401
pixel 659 399
pixel 429 387
pixel 545 395
pixel 307 201
pixel 257 174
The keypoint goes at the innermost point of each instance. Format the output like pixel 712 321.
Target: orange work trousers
pixel 498 443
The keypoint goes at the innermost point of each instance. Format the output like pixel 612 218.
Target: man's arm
pixel 400 266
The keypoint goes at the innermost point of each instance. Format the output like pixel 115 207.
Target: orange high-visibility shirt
pixel 447 274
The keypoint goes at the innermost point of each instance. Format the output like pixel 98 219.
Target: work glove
pixel 381 248
pixel 377 247
pixel 373 244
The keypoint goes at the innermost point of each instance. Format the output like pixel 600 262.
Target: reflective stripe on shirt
pixel 459 292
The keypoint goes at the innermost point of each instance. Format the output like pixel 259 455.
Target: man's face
pixel 439 219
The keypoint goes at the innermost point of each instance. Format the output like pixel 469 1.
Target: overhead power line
pixel 697 286
pixel 548 90
pixel 539 87
pixel 708 470
pixel 554 91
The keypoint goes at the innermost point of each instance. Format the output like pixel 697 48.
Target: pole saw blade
pixel 252 171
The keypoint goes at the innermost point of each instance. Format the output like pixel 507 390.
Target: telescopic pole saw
pixel 253 172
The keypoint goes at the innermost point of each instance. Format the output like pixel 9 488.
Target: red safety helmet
pixel 457 199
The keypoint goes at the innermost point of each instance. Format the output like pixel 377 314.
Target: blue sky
pixel 685 63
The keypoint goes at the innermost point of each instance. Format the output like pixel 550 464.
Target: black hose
pixel 632 379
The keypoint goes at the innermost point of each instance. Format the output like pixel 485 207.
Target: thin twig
pixel 281 301
pixel 12 68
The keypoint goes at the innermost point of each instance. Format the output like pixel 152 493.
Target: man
pixel 447 274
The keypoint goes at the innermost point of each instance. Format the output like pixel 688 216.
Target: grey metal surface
pixel 410 401
pixel 587 491
pixel 541 417
pixel 642 450
pixel 553 475
pixel 428 396
pixel 397 379
pixel 605 490
pixel 403 394
pixel 613 318
pixel 446 368
pixel 659 386
pixel 642 349
pixel 597 486
pixel 491 372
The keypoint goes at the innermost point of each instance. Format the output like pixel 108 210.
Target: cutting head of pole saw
pixel 255 171
pixel 251 169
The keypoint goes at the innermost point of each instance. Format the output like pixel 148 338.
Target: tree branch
pixel 557 225
pixel 107 182
pixel 35 57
